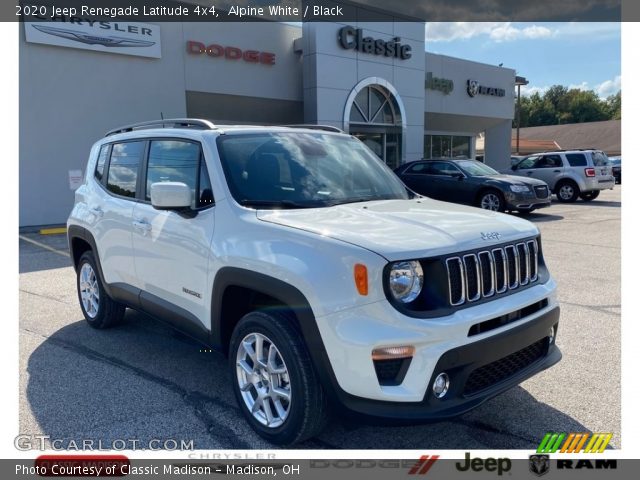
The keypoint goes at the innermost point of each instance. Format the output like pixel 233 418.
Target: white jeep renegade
pixel 296 252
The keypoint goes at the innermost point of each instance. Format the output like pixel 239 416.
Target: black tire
pixel 567 191
pixel 490 197
pixel 109 312
pixel 307 409
pixel 588 196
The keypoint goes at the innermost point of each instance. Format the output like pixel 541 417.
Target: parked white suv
pixel 569 173
pixel 296 252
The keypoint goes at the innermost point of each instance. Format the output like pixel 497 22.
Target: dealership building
pixel 80 78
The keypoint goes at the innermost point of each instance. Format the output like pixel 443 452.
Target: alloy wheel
pixel 89 290
pixel 263 380
pixel 490 201
pixel 566 192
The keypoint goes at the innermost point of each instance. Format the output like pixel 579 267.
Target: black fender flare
pixel 288 295
pixel 76 231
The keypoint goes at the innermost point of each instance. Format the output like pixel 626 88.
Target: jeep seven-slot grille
pixel 486 273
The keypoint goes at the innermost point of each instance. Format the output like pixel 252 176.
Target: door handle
pixel 529 173
pixel 557 171
pixel 142 225
pixel 97 211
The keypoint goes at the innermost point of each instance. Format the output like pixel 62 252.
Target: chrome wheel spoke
pixel 268 413
pixel 245 367
pixel 282 393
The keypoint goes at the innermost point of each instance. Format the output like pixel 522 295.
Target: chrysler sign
pixel 128 38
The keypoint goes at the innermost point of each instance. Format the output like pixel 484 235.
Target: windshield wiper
pixel 275 204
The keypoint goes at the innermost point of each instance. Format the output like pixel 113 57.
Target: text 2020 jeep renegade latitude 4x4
pixel 300 255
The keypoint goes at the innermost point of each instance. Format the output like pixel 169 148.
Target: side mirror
pixel 170 196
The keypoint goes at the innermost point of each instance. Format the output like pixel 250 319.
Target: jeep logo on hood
pixel 490 235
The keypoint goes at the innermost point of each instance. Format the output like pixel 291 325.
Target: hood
pixel 516 180
pixel 405 229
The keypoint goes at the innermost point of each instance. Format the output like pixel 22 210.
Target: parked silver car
pixel 569 173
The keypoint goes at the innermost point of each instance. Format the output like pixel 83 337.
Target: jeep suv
pixel 569 173
pixel 298 254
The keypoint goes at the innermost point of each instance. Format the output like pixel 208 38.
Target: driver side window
pixel 529 162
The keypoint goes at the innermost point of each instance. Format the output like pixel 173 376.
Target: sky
pixel 577 55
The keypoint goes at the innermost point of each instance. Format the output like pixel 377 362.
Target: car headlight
pixel 406 280
pixel 519 188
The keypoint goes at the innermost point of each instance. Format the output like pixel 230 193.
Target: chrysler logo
pixel 490 235
pixel 110 41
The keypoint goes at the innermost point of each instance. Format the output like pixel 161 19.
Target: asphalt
pixel 142 381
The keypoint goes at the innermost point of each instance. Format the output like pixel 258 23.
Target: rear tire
pixel 567 191
pixel 491 200
pixel 99 310
pixel 588 196
pixel 274 381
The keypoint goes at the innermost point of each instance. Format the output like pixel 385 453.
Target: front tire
pixel 567 192
pixel 491 200
pixel 274 381
pixel 99 310
pixel 588 196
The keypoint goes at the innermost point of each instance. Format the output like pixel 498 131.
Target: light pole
pixel 519 82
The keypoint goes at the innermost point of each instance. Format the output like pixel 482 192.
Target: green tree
pixel 559 105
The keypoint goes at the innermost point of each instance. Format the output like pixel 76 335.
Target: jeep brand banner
pixel 128 38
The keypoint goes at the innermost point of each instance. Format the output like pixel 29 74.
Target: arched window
pixel 375 105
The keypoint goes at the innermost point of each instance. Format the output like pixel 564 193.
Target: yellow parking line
pixel 42 245
pixel 53 231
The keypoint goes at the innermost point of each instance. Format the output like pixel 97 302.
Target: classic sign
pixel 352 38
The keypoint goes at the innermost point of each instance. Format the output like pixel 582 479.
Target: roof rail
pixel 327 128
pixel 166 123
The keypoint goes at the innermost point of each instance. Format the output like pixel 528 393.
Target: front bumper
pixel 463 365
pixel 526 201
pixel 344 362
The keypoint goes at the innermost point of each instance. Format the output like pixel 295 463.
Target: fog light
pixel 441 385
pixel 552 335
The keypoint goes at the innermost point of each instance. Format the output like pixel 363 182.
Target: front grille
pixel 542 191
pixel 500 370
pixel 487 273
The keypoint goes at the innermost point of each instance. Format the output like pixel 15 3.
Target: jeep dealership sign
pixel 127 38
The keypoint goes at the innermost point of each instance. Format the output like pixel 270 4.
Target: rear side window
pixel 179 161
pixel 577 159
pixel 123 168
pixel 418 168
pixel 102 160
pixel 599 159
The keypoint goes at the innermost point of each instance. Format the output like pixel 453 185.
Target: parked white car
pixel 569 173
pixel 300 255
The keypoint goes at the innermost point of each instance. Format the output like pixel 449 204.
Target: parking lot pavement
pixel 142 381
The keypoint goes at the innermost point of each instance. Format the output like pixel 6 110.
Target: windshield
pixel 303 170
pixel 476 169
